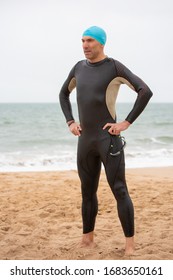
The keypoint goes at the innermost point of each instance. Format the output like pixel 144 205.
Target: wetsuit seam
pixel 116 70
pixel 76 66
pixel 119 74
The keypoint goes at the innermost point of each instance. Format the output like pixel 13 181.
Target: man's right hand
pixel 75 128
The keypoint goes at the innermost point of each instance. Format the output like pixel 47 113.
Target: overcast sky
pixel 40 41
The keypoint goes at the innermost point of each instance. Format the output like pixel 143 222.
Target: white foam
pixel 67 160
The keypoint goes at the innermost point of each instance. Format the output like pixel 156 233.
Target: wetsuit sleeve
pixel 143 92
pixel 64 95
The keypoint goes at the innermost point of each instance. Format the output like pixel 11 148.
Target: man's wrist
pixel 70 122
pixel 127 122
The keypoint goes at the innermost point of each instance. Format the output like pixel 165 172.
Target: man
pixel 97 80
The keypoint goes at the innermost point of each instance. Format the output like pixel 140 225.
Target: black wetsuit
pixel 97 86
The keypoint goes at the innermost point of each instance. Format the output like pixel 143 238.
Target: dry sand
pixel 40 216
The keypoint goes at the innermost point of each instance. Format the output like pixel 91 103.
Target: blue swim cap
pixel 97 33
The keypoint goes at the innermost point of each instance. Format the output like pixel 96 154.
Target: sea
pixel 35 137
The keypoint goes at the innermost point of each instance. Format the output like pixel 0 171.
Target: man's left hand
pixel 116 128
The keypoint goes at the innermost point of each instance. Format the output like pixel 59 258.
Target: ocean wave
pixel 163 123
pixel 150 153
pixel 149 158
pixel 67 160
pixel 163 140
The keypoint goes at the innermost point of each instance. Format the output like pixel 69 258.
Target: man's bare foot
pixel 88 240
pixel 130 246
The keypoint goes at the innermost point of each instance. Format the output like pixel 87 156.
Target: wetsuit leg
pixel 89 166
pixel 115 172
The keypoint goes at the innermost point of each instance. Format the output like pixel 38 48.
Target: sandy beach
pixel 40 216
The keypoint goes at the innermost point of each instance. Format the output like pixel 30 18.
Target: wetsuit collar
pixel 97 63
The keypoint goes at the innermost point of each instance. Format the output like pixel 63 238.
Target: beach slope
pixel 40 216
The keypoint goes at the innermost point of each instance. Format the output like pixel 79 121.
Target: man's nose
pixel 85 45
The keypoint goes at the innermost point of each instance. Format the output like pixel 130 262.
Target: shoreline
pixel 73 169
pixel 40 216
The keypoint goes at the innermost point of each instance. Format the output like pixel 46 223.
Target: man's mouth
pixel 87 52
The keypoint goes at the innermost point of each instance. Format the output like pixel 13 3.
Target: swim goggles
pixel 121 149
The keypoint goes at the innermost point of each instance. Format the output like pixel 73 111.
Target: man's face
pixel 92 48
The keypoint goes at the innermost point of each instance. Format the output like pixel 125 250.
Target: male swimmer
pixel 97 80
